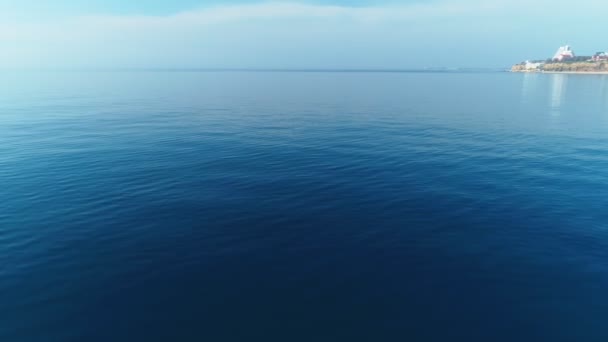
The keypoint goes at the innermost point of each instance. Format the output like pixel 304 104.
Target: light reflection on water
pixel 528 87
pixel 559 84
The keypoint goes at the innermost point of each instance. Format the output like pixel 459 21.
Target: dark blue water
pixel 235 206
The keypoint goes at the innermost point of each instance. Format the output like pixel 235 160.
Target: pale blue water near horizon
pixel 303 206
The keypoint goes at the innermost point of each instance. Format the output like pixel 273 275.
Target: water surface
pixel 303 206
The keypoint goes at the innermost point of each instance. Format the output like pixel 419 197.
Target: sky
pixel 303 34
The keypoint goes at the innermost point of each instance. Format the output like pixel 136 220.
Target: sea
pixel 202 205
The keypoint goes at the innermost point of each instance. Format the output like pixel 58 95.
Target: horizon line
pixel 241 69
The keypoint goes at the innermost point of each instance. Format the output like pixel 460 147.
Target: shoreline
pixel 564 72
pixel 577 72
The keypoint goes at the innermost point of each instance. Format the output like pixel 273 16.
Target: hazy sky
pixel 294 34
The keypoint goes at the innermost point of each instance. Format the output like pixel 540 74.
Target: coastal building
pixel 564 53
pixel 600 56
pixel 532 66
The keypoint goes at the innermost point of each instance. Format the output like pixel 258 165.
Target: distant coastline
pixel 566 62
pixel 595 68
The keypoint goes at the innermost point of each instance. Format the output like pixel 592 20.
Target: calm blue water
pixel 236 206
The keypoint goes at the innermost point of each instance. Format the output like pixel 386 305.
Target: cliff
pixel 576 67
pixel 570 67
pixel 519 68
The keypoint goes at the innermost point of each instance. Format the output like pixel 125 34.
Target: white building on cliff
pixel 563 53
pixel 600 56
pixel 533 66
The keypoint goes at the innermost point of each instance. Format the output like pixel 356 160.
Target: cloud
pixel 295 35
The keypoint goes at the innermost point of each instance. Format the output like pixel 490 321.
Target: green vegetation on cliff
pixel 570 66
pixel 518 68
pixel 576 67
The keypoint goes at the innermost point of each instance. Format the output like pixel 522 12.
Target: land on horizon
pixel 566 61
